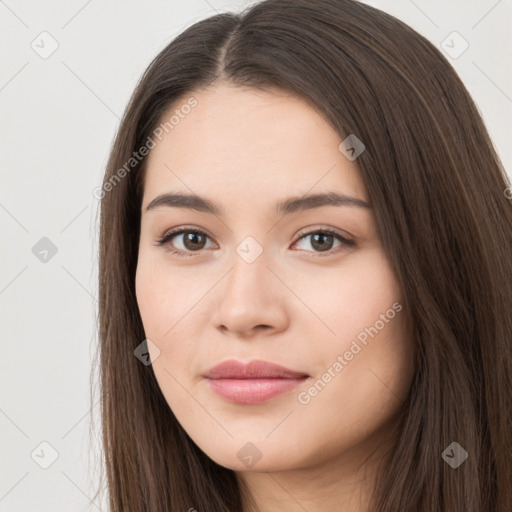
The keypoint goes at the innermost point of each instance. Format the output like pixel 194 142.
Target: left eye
pixel 193 240
pixel 323 240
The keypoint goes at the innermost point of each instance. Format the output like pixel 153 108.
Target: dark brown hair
pixel 438 191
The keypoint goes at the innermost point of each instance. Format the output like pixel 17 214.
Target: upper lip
pixel 256 369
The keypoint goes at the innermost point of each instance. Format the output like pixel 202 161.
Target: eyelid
pixel 324 228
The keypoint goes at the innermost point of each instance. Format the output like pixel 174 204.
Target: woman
pixel 305 274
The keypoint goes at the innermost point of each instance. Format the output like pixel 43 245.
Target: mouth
pixel 252 383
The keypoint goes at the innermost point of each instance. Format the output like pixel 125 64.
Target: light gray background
pixel 59 116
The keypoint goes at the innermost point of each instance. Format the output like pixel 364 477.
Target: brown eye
pixel 184 241
pixel 323 241
pixel 193 240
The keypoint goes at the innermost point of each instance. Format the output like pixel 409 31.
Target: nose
pixel 252 300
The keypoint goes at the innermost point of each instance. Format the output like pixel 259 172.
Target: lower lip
pixel 252 391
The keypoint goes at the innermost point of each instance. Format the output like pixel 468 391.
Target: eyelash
pixel 161 242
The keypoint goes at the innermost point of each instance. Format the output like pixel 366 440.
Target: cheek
pixel 169 301
pixel 352 297
pixel 164 296
pixel 363 376
pixel 369 350
pixel 163 304
pixel 148 289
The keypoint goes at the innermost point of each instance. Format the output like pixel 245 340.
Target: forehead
pixel 242 142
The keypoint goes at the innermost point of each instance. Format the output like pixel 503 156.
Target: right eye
pixel 192 240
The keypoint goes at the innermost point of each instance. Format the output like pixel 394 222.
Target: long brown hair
pixel 439 195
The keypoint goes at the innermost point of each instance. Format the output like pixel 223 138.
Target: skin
pixel 293 305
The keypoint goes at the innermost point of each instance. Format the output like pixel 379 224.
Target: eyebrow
pixel 288 206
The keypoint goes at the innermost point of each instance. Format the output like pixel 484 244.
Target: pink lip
pixel 252 383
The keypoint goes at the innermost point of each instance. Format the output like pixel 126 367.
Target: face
pixel 306 286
